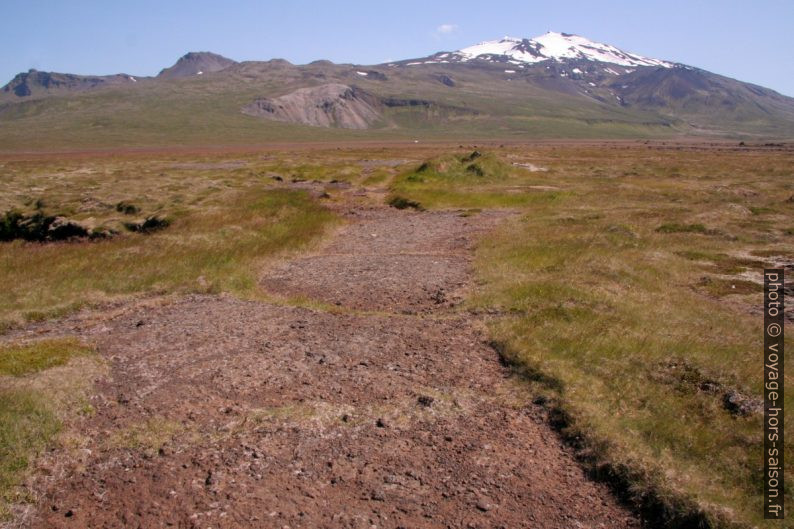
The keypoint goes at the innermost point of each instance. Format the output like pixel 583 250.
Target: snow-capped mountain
pixel 549 47
pixel 507 86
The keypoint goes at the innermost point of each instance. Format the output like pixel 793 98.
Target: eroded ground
pixel 218 412
pixel 388 261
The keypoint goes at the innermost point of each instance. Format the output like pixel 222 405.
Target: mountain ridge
pixel 554 85
pixel 520 50
pixel 33 81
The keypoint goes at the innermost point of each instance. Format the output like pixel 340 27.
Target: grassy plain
pixel 625 289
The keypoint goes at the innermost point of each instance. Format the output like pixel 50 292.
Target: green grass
pixel 602 322
pixel 616 312
pixel 22 359
pixel 378 176
pixel 469 180
pixel 27 425
pixel 208 248
pixel 673 227
pixel 33 404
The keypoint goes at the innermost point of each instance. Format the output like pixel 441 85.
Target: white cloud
pixel 446 29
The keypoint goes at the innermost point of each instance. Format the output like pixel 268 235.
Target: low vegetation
pixel 470 180
pixel 43 228
pixel 673 227
pixel 404 203
pixel 631 303
pixel 32 409
pixel 27 425
pixel 22 359
pixel 147 437
pixel 222 220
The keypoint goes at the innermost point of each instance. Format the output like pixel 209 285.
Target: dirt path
pixel 224 413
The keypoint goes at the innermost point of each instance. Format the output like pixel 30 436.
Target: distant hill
pixel 34 82
pixel 196 63
pixel 557 85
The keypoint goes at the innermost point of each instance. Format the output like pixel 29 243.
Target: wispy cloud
pixel 445 29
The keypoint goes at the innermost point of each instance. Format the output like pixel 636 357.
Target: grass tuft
pixel 22 359
pixel 148 225
pixel 451 181
pixel 147 437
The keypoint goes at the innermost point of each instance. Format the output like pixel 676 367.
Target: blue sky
pixel 748 40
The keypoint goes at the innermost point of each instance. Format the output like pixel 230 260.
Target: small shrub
pixel 38 227
pixel 127 208
pixel 148 225
pixel 475 170
pixel 473 156
pixel 405 203
pixel 61 229
pixel 9 225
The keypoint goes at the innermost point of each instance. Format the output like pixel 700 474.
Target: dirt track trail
pixel 222 413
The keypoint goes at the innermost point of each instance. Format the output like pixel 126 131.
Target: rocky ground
pixel 389 411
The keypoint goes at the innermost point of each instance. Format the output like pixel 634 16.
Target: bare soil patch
pixel 388 260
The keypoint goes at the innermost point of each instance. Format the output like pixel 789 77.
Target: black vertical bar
pixel 773 394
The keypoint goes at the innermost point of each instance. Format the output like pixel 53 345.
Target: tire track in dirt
pixel 225 413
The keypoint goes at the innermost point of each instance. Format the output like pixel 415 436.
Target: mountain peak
pixel 552 46
pixel 196 63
